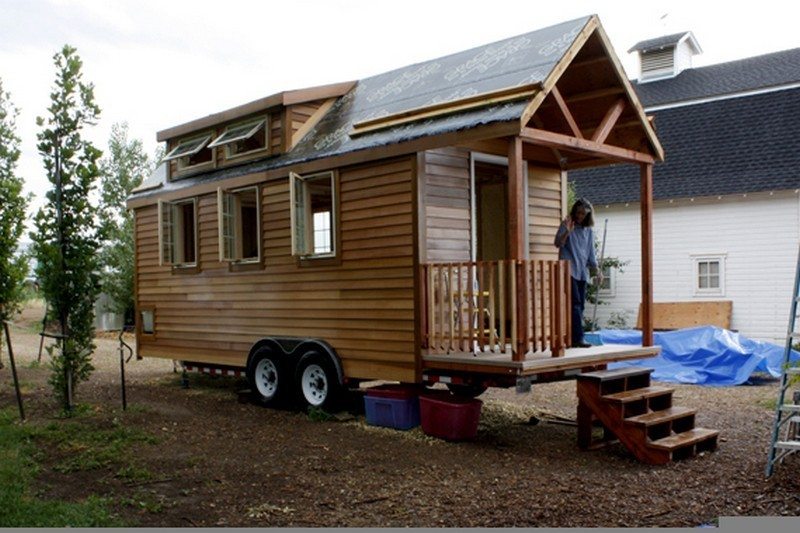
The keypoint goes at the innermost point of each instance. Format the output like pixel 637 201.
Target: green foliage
pixel 13 266
pixel 315 414
pixel 572 194
pixel 124 168
pixel 66 246
pixel 19 451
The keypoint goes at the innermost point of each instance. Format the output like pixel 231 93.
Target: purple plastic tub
pixel 397 413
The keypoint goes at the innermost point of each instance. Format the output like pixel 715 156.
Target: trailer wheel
pixel 471 390
pixel 266 376
pixel 317 382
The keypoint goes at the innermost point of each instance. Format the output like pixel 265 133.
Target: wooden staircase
pixel 639 415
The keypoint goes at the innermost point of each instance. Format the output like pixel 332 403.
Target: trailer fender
pixel 268 342
pixel 324 349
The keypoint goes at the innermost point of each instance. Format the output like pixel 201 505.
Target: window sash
pixel 238 133
pixel 230 229
pixel 302 218
pixel 187 148
pixel 171 231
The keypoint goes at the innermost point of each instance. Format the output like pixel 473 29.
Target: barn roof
pixel 659 43
pixel 727 146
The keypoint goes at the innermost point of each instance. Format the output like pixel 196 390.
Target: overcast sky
pixel 156 64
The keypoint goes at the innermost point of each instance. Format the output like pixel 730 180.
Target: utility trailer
pixel 395 228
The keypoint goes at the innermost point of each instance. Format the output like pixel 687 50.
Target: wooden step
pixel 681 440
pixel 659 417
pixel 637 394
pixel 617 373
pixel 788 445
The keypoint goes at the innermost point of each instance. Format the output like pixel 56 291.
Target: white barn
pixel 727 198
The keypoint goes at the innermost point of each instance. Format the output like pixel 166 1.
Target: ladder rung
pixel 790 408
pixel 793 370
pixel 794 419
pixel 788 444
pixel 795 335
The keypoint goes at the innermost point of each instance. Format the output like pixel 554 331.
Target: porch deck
pixel 537 362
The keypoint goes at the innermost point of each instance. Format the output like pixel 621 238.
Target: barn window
pixel 313 215
pixel 191 153
pixel 177 232
pixel 608 286
pixel 709 275
pixel 243 138
pixel 239 222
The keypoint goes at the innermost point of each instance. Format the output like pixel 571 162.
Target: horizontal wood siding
pixel 302 112
pixel 446 178
pixel 544 211
pixel 364 307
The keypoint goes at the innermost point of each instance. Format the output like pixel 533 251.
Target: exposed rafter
pixel 562 105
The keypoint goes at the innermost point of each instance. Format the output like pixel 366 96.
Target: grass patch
pixel 769 403
pixel 19 466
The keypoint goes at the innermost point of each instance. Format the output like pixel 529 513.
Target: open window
pixel 177 233
pixel 191 153
pixel 313 214
pixel 243 138
pixel 239 225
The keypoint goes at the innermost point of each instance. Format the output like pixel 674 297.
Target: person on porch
pixel 575 242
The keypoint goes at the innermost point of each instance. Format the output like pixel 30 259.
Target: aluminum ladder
pixel 786 427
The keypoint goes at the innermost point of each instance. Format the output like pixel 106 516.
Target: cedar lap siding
pixel 401 147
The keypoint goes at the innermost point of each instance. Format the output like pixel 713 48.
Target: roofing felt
pixel 658 42
pixel 770 70
pixel 517 61
pixel 739 145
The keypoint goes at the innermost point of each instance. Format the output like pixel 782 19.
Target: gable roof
pixel 532 60
pixel 729 146
pixel 753 73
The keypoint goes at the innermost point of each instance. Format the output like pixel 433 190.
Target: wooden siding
pixel 544 211
pixel 300 113
pixel 364 307
pixel 446 178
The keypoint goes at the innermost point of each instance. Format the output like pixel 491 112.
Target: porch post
pixel 517 225
pixel 518 242
pixel 646 196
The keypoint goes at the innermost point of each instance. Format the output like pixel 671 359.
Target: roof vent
pixel 667 56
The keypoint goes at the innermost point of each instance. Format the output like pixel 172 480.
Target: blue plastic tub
pixel 397 413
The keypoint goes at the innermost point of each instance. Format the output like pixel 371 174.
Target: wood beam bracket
pixel 609 121
pixel 562 105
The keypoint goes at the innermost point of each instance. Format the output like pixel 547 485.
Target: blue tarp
pixel 701 356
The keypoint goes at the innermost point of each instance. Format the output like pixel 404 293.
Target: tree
pixel 124 168
pixel 13 266
pixel 67 237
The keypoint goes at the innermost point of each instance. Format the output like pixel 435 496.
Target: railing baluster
pixel 471 305
pixel 460 311
pixel 450 315
pixel 492 331
pixel 566 304
pixel 557 307
pixel 523 300
pixel 481 307
pixel 532 292
pixel 543 304
pixel 431 310
pixel 512 274
pixel 501 287
pixel 441 308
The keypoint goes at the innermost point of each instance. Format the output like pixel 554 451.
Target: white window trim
pixel 264 121
pixel 220 233
pixel 163 261
pixel 171 155
pixel 611 292
pixel 700 258
pixel 305 254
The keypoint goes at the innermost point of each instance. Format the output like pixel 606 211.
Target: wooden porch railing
pixel 503 307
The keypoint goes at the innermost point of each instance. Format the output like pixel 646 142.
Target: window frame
pixel 305 257
pixel 611 276
pixel 233 261
pixel 262 121
pixel 718 258
pixel 185 169
pixel 140 321
pixel 162 260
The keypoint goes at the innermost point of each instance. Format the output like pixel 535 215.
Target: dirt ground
pixel 221 461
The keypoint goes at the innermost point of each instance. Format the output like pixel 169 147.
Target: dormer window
pixel 243 138
pixel 191 153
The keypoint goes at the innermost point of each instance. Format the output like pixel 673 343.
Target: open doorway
pixel 491 210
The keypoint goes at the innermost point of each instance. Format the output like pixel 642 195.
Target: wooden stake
pixel 14 371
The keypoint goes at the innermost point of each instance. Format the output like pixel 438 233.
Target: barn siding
pixel 759 236
pixel 363 307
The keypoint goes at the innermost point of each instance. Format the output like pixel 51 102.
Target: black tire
pixel 267 377
pixel 317 383
pixel 470 390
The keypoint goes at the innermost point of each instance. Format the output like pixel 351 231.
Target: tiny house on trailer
pixel 396 228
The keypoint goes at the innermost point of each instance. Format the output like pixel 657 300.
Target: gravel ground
pixel 220 461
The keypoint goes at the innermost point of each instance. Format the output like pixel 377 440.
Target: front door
pixel 491 211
